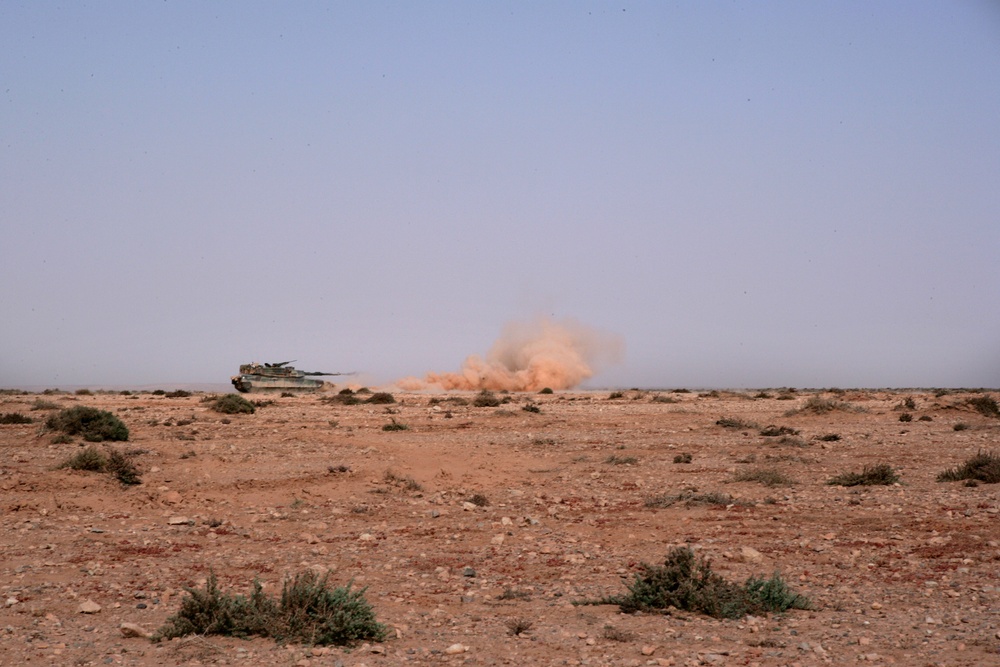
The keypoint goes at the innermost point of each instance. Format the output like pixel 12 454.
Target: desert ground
pixel 474 522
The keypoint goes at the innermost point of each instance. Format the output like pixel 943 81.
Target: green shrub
pixel 381 398
pixel 308 612
pixel 983 467
pixel 93 424
pixel 486 399
pixel 881 474
pixel 41 404
pixel 15 418
pixel 687 582
pixel 232 404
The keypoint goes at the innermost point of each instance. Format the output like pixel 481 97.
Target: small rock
pixel 455 649
pixel 876 605
pixel 751 555
pixel 134 630
pixel 648 650
pixel 468 572
pixel 179 521
pixel 89 607
pixel 172 497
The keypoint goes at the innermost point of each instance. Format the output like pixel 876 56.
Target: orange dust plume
pixel 530 356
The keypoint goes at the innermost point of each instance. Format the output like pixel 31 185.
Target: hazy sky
pixel 747 193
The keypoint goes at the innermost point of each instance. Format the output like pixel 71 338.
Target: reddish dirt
pixel 906 574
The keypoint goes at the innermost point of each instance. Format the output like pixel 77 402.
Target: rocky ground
pixel 478 521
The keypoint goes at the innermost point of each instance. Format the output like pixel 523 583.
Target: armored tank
pixel 257 377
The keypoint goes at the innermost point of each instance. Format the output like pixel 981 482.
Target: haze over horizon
pixel 746 194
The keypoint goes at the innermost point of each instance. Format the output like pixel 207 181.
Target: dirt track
pixel 907 573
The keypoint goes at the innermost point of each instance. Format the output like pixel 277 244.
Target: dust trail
pixel 530 356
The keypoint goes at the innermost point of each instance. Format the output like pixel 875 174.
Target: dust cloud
pixel 530 356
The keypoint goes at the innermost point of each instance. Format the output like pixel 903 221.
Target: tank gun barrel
pixel 320 373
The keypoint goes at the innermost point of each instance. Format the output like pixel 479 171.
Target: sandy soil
pixel 906 574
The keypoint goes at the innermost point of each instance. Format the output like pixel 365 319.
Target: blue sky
pixel 747 194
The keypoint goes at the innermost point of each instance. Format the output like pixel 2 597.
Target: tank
pixel 255 377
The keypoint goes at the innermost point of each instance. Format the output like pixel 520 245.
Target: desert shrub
pixel 61 439
pixel 83 392
pixel 829 437
pixel 734 422
pixel 792 441
pixel 960 426
pixel 616 460
pixel 262 402
pixel 687 582
pixel 345 397
pixel 287 394
pixel 531 407
pixel 381 398
pixel 983 467
pixel 925 418
pixel 407 482
pixel 41 404
pixel 518 626
pixel 546 390
pixel 479 500
pixel 158 392
pixel 395 426
pixel 90 459
pixel 615 395
pixel 179 393
pixel 762 394
pixel 684 457
pixel 514 594
pixel 232 404
pixel 93 424
pixel 690 499
pixel 308 612
pixel 613 634
pixel 818 405
pixel 906 417
pixel 120 465
pixel 486 399
pixel 659 398
pixel 15 418
pixel 772 431
pixel 881 474
pixel 765 476
pixel 985 405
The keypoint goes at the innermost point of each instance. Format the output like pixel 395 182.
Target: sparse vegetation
pixel 817 405
pixel 985 405
pixel 93 424
pixel 15 418
pixel 690 499
pixel 660 398
pixel 546 390
pixel 381 398
pixel 616 460
pixel 905 417
pixel 881 474
pixel 407 482
pixel 514 594
pixel 394 425
pixel 178 393
pixel 532 408
pixel 42 404
pixel 829 437
pixel 308 612
pixel 486 399
pixel 232 404
pixel 687 582
pixel 613 634
pixel 616 395
pixel 960 426
pixel 117 463
pixel 684 457
pixel 518 626
pixel 736 423
pixel 479 500
pixel 773 431
pixel 766 476
pixel 983 467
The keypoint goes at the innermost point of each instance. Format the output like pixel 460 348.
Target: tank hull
pixel 263 383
